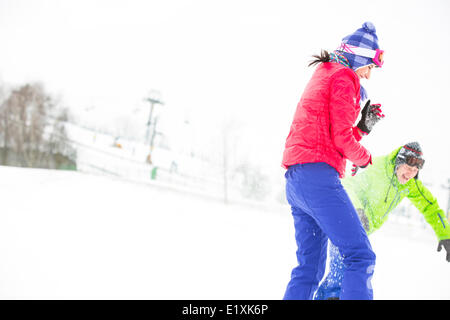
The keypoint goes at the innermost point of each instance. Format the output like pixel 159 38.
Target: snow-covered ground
pixel 69 235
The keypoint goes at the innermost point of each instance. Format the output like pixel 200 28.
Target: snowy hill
pixel 102 153
pixel 70 235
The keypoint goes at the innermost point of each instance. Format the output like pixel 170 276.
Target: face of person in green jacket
pixel 406 173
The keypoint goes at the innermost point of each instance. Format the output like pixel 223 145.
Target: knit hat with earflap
pixel 364 37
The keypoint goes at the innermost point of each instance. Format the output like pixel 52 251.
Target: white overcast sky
pixel 245 60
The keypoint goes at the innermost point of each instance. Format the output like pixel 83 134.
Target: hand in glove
pixel 446 244
pixel 355 168
pixel 370 115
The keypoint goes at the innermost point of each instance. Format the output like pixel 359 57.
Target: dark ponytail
pixel 323 57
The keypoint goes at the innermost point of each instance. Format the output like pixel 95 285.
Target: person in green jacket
pixel 375 193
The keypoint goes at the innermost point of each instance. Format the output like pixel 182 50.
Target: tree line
pixel 32 129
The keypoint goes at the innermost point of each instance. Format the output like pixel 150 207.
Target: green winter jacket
pixel 377 191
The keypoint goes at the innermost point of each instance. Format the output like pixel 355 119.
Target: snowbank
pixel 69 235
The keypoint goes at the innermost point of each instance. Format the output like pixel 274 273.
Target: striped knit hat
pixel 411 149
pixel 364 37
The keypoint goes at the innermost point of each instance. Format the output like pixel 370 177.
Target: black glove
pixel 370 115
pixel 446 244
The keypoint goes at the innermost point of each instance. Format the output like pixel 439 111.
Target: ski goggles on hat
pixel 414 162
pixel 375 55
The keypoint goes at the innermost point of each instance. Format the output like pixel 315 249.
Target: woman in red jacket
pixel 322 136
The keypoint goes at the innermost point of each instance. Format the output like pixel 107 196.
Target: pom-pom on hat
pixel 366 38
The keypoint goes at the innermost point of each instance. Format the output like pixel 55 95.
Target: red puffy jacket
pixel 322 130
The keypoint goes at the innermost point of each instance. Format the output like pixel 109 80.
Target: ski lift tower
pixel 154 99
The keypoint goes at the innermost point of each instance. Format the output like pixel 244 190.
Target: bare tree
pixel 32 127
pixel 230 138
pixel 3 124
pixel 253 183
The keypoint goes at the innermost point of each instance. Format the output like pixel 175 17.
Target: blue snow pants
pixel 322 210
pixel 330 287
